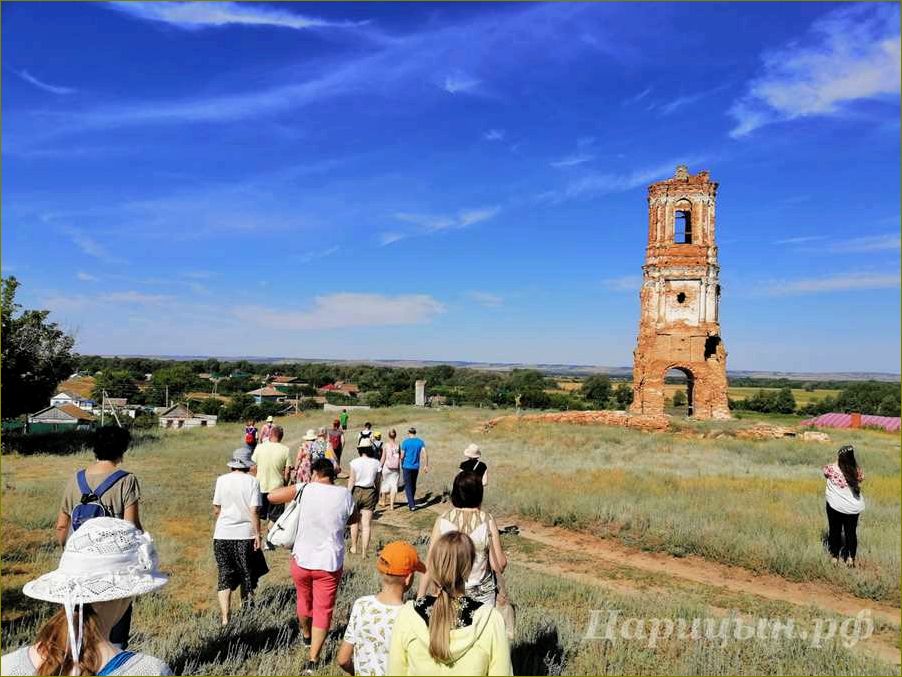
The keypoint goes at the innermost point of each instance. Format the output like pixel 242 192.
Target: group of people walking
pixel 459 623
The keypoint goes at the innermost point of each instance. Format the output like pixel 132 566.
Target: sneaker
pixel 305 640
pixel 309 668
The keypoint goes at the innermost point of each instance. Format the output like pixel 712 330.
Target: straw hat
pixel 269 419
pixel 472 451
pixel 105 559
pixel 310 435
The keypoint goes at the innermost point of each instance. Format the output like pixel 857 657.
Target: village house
pixel 179 416
pixel 339 387
pixel 267 394
pixel 61 417
pixel 69 397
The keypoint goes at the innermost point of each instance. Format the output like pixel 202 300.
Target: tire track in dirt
pixel 604 554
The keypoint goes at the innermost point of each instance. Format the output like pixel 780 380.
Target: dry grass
pixel 758 504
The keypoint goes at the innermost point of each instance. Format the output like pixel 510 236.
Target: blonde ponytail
pixel 450 563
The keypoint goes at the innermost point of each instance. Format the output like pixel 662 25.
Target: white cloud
pixel 623 283
pixel 494 135
pixel 390 237
pixel 597 183
pixel 802 239
pixel 572 160
pixel 686 100
pixel 89 245
pixel 486 299
pixel 460 83
pixel 198 15
pixel 637 97
pixel 867 243
pixel 438 222
pixel 85 277
pixel 850 54
pixel 334 311
pixel 833 283
pixel 53 89
pixel 318 255
pixel 136 297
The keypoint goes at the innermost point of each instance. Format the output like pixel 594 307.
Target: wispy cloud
pixel 355 310
pixel 625 283
pixel 802 239
pixel 318 254
pixel 638 97
pixel 686 100
pixel 486 299
pixel 850 54
pixel 199 15
pixel 88 245
pixel 136 297
pixel 572 160
pixel 863 244
pixel 437 222
pixel 53 89
pixel 867 243
pixel 85 277
pixel 594 184
pixel 494 135
pixel 460 82
pixel 390 237
pixel 833 283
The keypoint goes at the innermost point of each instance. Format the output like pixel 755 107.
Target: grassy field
pixel 758 505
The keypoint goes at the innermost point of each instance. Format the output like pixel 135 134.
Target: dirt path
pixel 599 555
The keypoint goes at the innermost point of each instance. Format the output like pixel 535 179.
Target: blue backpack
pixel 90 506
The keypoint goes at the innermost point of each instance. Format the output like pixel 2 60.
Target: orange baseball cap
pixel 399 558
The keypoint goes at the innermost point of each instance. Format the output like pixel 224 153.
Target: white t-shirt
pixel 324 512
pixel 369 630
pixel 365 470
pixel 236 494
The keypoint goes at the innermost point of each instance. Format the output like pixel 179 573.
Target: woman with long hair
pixel 105 564
pixel 844 505
pixel 467 516
pixel 449 633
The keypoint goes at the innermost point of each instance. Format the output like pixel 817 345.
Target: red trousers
pixel 316 592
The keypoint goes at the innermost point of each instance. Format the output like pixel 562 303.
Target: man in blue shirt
pixel 413 454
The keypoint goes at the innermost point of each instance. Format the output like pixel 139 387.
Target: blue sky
pixel 438 181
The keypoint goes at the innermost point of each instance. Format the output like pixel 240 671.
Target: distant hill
pixel 548 368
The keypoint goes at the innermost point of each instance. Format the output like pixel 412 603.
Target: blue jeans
pixel 410 486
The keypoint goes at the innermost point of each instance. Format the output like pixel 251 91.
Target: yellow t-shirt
pixel 271 459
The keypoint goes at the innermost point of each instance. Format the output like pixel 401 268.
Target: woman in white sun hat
pixel 474 463
pixel 105 564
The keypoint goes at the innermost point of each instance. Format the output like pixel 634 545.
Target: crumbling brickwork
pixel 679 326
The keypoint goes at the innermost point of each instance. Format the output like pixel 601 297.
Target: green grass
pixel 757 504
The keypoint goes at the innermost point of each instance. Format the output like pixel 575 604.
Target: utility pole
pixel 167 397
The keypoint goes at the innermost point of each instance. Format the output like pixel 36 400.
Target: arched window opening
pixel 682 227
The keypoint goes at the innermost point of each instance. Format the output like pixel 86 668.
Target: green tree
pixel 623 396
pixel 597 390
pixel 36 355
pixel 116 383
pixel 889 405
pixel 784 402
pixel 679 398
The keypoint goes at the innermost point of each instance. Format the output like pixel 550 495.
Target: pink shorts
pixel 316 591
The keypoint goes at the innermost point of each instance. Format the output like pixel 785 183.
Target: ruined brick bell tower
pixel 679 326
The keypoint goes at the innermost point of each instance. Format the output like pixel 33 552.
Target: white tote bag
pixel 285 529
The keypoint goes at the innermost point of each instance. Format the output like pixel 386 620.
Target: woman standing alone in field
pixel 844 505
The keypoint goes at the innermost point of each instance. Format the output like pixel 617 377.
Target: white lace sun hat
pixel 105 559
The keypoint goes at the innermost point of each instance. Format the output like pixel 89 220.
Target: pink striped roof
pixel 888 423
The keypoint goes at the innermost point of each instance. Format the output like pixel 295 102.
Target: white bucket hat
pixel 242 459
pixel 472 451
pixel 105 559
pixel 311 435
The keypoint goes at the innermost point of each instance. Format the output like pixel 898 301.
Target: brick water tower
pixel 679 326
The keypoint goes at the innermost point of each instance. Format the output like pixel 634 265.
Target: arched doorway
pixel 679 388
